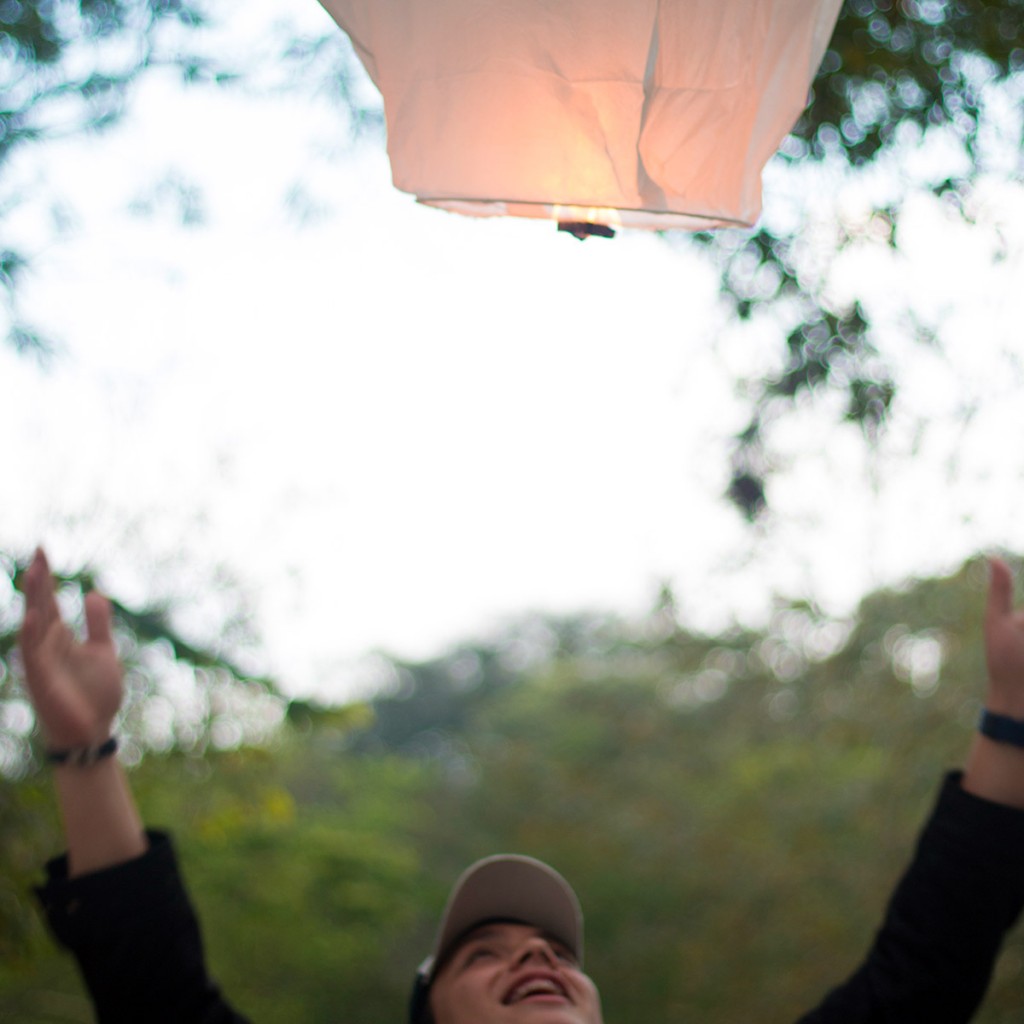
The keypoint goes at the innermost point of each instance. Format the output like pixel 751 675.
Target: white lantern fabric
pixel 648 113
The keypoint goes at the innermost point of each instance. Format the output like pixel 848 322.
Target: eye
pixel 563 955
pixel 478 953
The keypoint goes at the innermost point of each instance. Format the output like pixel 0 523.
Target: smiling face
pixel 505 973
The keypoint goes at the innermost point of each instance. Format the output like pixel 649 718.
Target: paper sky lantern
pixel 644 113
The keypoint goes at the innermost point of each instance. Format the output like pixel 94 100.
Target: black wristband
pixel 1001 728
pixel 82 756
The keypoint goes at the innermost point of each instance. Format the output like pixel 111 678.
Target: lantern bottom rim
pixel 614 217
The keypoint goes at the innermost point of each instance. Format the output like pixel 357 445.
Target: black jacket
pixel 137 940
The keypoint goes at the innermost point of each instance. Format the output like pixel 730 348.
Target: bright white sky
pixel 396 427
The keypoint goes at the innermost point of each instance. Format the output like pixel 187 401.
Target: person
pixel 509 947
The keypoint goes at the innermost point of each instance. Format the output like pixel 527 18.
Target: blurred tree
pixel 66 67
pixel 179 696
pixel 898 75
pixel 732 809
pixel 301 846
pixel 422 708
pixel 301 857
pixel 70 66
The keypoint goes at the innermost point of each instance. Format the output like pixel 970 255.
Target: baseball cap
pixel 505 887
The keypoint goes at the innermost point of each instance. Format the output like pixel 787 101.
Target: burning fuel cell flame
pixel 585 221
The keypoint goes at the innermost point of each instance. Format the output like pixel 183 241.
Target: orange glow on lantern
pixel 661 111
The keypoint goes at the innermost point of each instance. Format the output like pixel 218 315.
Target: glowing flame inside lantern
pixel 586 221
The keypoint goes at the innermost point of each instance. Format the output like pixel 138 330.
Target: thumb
pixel 97 618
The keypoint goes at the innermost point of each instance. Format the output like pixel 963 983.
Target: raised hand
pixel 74 685
pixel 995 769
pixel 1004 644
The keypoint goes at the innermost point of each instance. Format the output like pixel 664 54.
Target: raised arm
pixel 933 956
pixel 76 688
pixel 116 901
pixel 995 770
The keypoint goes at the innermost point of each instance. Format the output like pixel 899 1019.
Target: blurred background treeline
pixel 732 809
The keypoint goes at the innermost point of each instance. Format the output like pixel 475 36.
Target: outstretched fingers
pixel 44 647
pixel 1004 643
pixel 98 619
pixel 1000 590
pixel 41 610
pixel 71 689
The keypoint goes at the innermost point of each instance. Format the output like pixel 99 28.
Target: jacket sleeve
pixel 933 957
pixel 136 939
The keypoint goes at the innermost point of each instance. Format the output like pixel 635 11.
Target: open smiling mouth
pixel 536 986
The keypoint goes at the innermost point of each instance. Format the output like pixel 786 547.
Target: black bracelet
pixel 82 757
pixel 1001 728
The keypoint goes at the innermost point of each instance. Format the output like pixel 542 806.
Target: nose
pixel 536 948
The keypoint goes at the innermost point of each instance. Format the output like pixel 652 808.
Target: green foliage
pixel 215 703
pixel 69 67
pixel 892 64
pixel 733 811
pixel 893 73
pixel 303 859
pixel 422 703
pixel 66 67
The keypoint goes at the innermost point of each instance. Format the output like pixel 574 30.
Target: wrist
pixel 83 756
pixel 1001 728
pixel 1004 694
pixel 102 825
